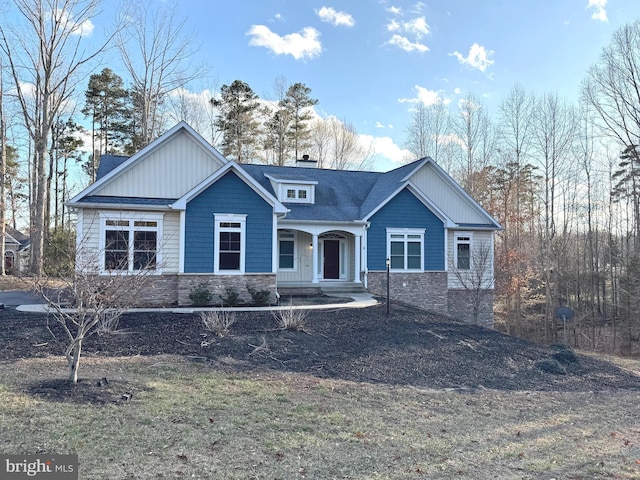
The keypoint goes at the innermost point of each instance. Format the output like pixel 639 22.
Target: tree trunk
pixel 74 360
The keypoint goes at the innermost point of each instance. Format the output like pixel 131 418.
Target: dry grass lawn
pixel 187 420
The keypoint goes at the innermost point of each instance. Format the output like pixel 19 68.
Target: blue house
pixel 181 211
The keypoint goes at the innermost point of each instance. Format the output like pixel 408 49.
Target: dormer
pixel 294 189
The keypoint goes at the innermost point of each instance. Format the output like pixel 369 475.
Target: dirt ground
pixel 406 347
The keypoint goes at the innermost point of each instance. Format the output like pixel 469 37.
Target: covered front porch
pixel 320 259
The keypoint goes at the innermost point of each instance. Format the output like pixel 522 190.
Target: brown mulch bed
pixel 406 347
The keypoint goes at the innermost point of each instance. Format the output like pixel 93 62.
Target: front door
pixel 331 259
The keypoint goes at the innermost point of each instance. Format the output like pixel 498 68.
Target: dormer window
pixel 297 193
pixel 294 188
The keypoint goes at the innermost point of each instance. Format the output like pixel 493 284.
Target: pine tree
pixel 238 106
pixel 297 102
pixel 107 103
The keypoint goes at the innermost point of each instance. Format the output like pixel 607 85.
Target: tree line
pixel 45 63
pixel 563 179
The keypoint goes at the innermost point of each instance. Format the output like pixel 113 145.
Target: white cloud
pixel 329 15
pixel 405 44
pixel 408 34
pixel 393 26
pixel 83 29
pixel 600 12
pixel 305 44
pixel 427 97
pixel 394 10
pixel 385 147
pixel 478 57
pixel 379 125
pixel 418 26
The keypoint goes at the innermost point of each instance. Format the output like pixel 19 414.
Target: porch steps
pixel 337 288
pixel 341 289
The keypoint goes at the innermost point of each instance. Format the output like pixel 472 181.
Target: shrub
pixel 290 318
pixel 200 295
pixel 218 322
pixel 231 297
pixel 260 298
pixel 551 366
pixel 565 357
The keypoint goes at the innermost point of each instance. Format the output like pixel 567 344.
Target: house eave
pixel 119 206
pixel 323 222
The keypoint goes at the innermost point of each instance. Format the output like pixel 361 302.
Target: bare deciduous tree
pixel 156 51
pixel 477 276
pixel 89 304
pixel 45 55
pixel 336 146
pixel 428 133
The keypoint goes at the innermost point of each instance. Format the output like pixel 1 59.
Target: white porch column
pixel 314 259
pixel 358 249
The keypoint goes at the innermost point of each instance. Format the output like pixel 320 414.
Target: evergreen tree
pixel 238 107
pixel 107 103
pixel 297 102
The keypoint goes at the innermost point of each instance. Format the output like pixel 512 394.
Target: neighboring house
pixel 182 210
pixel 16 251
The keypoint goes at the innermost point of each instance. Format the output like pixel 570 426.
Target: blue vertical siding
pixel 405 211
pixel 228 195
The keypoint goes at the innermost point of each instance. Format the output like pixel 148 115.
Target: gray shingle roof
pixel 107 200
pixel 340 195
pixel 108 163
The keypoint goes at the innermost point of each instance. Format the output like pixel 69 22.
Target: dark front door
pixel 331 259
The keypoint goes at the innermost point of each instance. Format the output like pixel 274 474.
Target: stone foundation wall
pixel 217 285
pixel 460 305
pixel 426 290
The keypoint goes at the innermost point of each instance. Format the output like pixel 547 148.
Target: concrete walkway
pixel 360 300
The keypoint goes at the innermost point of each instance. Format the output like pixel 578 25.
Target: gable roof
pixel 17 237
pixel 340 195
pixel 112 166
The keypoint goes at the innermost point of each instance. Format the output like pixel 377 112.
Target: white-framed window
pixel 286 250
pixel 462 251
pixel 405 249
pixel 229 243
pixel 297 193
pixel 130 242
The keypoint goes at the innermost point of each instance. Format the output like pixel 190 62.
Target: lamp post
pixel 388 262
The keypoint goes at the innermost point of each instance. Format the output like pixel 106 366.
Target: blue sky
pixel 369 61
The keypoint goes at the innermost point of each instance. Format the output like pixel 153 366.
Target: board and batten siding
pixel 303 260
pixel 169 171
pixel 405 211
pixel 479 240
pixel 448 199
pixel 228 195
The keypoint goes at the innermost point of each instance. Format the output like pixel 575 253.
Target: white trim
pixel 295 250
pixel 457 236
pixel 131 228
pixel 181 203
pixel 462 192
pixel 182 240
pixel 229 218
pixel 131 161
pixel 405 232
